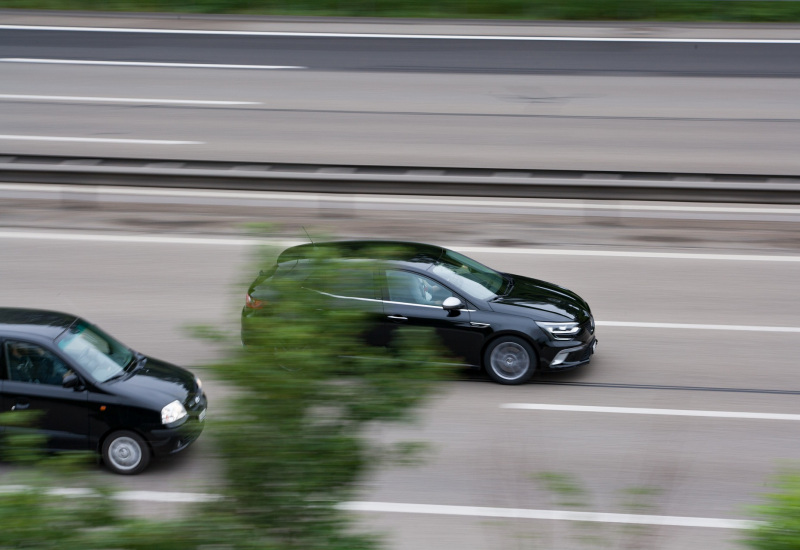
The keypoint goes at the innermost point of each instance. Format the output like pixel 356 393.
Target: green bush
pixel 780 515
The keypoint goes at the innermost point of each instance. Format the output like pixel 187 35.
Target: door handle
pixel 20 406
pixel 398 318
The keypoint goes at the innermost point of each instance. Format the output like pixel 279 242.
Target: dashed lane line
pixel 563 515
pixel 90 99
pixel 99 140
pixel 660 412
pixel 695 326
pixel 425 509
pixel 144 64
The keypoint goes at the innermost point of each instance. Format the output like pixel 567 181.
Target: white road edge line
pixel 626 254
pixel 393 35
pixel 222 241
pixel 144 64
pixel 431 509
pixel 144 239
pixel 659 412
pixel 525 513
pixel 125 100
pixel 371 199
pixel 100 140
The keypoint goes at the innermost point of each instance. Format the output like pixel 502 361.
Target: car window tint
pixel 355 282
pixel 3 362
pixel 469 276
pixel 34 364
pixel 412 288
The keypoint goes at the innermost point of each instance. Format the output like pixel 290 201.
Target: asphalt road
pixel 715 293
pixel 582 102
pixel 422 54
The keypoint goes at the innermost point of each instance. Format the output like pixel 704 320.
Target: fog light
pixel 560 358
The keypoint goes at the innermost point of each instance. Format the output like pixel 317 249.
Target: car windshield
pixel 469 276
pixel 99 355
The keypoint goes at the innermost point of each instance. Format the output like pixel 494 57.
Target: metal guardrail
pixel 564 184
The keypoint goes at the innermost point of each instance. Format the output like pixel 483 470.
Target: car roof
pixel 392 251
pixel 41 322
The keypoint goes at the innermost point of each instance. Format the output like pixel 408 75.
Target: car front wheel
pixel 510 360
pixel 125 453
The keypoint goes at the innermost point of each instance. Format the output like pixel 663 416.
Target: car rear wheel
pixel 510 360
pixel 125 453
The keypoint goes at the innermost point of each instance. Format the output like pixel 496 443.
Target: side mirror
pixel 71 380
pixel 452 303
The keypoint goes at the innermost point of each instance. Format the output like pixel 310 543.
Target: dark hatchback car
pixel 93 393
pixel 509 325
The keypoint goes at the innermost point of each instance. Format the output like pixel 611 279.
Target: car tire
pixel 125 453
pixel 510 360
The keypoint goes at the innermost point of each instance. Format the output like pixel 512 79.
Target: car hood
pixel 157 383
pixel 550 302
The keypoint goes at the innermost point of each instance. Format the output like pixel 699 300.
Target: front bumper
pixel 168 441
pixel 569 358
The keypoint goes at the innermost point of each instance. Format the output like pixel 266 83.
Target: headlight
pixel 199 382
pixel 172 412
pixel 560 331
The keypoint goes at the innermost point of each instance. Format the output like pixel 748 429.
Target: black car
pixel 508 324
pixel 94 393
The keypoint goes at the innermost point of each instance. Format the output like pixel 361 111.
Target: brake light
pixel 252 303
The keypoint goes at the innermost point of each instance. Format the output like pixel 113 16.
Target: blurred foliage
pixel 780 516
pixel 564 486
pixel 307 389
pixel 32 513
pixel 654 10
pixel 293 438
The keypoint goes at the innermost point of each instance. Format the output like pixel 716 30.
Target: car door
pixel 352 286
pixel 34 383
pixel 415 300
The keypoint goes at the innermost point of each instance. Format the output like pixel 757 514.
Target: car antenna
pixel 309 237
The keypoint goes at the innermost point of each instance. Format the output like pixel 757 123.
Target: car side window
pixel 347 283
pixel 412 288
pixel 34 364
pixel 3 362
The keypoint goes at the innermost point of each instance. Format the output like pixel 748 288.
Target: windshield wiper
pixel 137 362
pixel 510 284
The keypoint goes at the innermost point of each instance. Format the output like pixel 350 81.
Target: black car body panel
pixel 81 417
pixel 551 302
pixel 494 305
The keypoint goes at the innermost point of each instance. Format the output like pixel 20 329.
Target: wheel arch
pixel 500 334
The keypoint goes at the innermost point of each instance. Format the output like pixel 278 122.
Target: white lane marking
pixel 153 239
pixel 125 100
pixel 100 140
pixel 626 254
pixel 146 239
pixel 316 198
pixel 144 64
pixel 524 513
pixel 149 496
pixel 692 326
pixel 660 412
pixel 158 496
pixel 397 35
pixel 434 509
